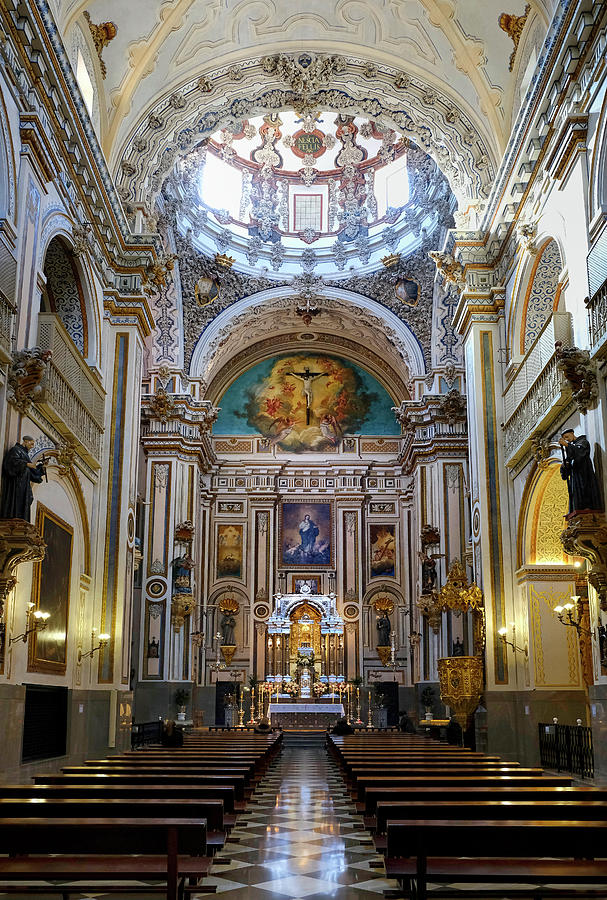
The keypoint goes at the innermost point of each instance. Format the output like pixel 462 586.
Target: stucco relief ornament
pixel 449 267
pixel 25 375
pixel 305 74
pixel 65 454
pixel 81 237
pixel 102 34
pixel 527 233
pixel 401 414
pixel 579 372
pixel 209 417
pixel 161 406
pixel 452 407
pixel 540 448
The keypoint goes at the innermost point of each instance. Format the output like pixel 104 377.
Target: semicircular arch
pixel 544 503
pixel 431 115
pixel 209 353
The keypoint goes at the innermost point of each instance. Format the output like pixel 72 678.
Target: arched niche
pixel 538 296
pixel 214 616
pixel 63 293
pixel 544 504
pixel 546 578
pixel 376 600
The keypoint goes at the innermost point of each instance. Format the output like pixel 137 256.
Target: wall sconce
pixel 504 631
pixel 569 614
pixel 36 620
pixel 103 640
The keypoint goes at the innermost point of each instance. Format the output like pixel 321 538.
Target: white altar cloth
pixel 335 708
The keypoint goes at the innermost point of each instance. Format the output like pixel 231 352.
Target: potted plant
pixel 427 698
pixel 181 698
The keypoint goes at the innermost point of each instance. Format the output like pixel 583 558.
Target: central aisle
pixel 302 838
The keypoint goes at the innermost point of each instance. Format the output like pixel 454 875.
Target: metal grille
pixel 567 748
pixel 145 733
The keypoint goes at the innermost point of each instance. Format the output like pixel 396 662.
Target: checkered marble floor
pixel 300 838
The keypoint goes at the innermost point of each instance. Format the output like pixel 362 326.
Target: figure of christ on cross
pixel 307 377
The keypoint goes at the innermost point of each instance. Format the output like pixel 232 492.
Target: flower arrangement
pixel 291 688
pixel 319 689
pixel 267 686
pixel 305 660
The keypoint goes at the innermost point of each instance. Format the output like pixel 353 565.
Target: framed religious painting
pixel 51 594
pixel 229 551
pixel 382 550
pixel 306 531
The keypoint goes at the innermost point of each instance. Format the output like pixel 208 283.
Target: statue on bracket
pixel 228 624
pixel 384 628
pixel 577 470
pixel 18 474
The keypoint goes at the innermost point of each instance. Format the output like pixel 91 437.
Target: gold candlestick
pixel 252 709
pixel 241 710
pixel 369 720
pixel 359 721
pixel 260 703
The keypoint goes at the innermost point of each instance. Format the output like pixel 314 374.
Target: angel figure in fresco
pixel 307 379
pixel 284 427
pixel 331 429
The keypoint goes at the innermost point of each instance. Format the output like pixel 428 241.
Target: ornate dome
pixel 317 191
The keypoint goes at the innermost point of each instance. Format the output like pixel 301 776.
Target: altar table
pixel 308 715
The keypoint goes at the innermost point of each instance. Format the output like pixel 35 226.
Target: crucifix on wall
pixel 307 378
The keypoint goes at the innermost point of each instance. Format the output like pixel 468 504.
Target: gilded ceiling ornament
pixel 102 34
pixel 65 454
pixel 449 267
pixel 156 274
pixel 513 26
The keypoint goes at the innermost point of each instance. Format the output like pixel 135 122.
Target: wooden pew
pixel 461 781
pixel 122 848
pixel 387 795
pixel 548 808
pixel 484 851
pixel 209 811
pixel 89 776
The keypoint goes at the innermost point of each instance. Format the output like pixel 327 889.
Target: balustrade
pixel 72 398
pixel 538 391
pixel 7 312
pixel 597 312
